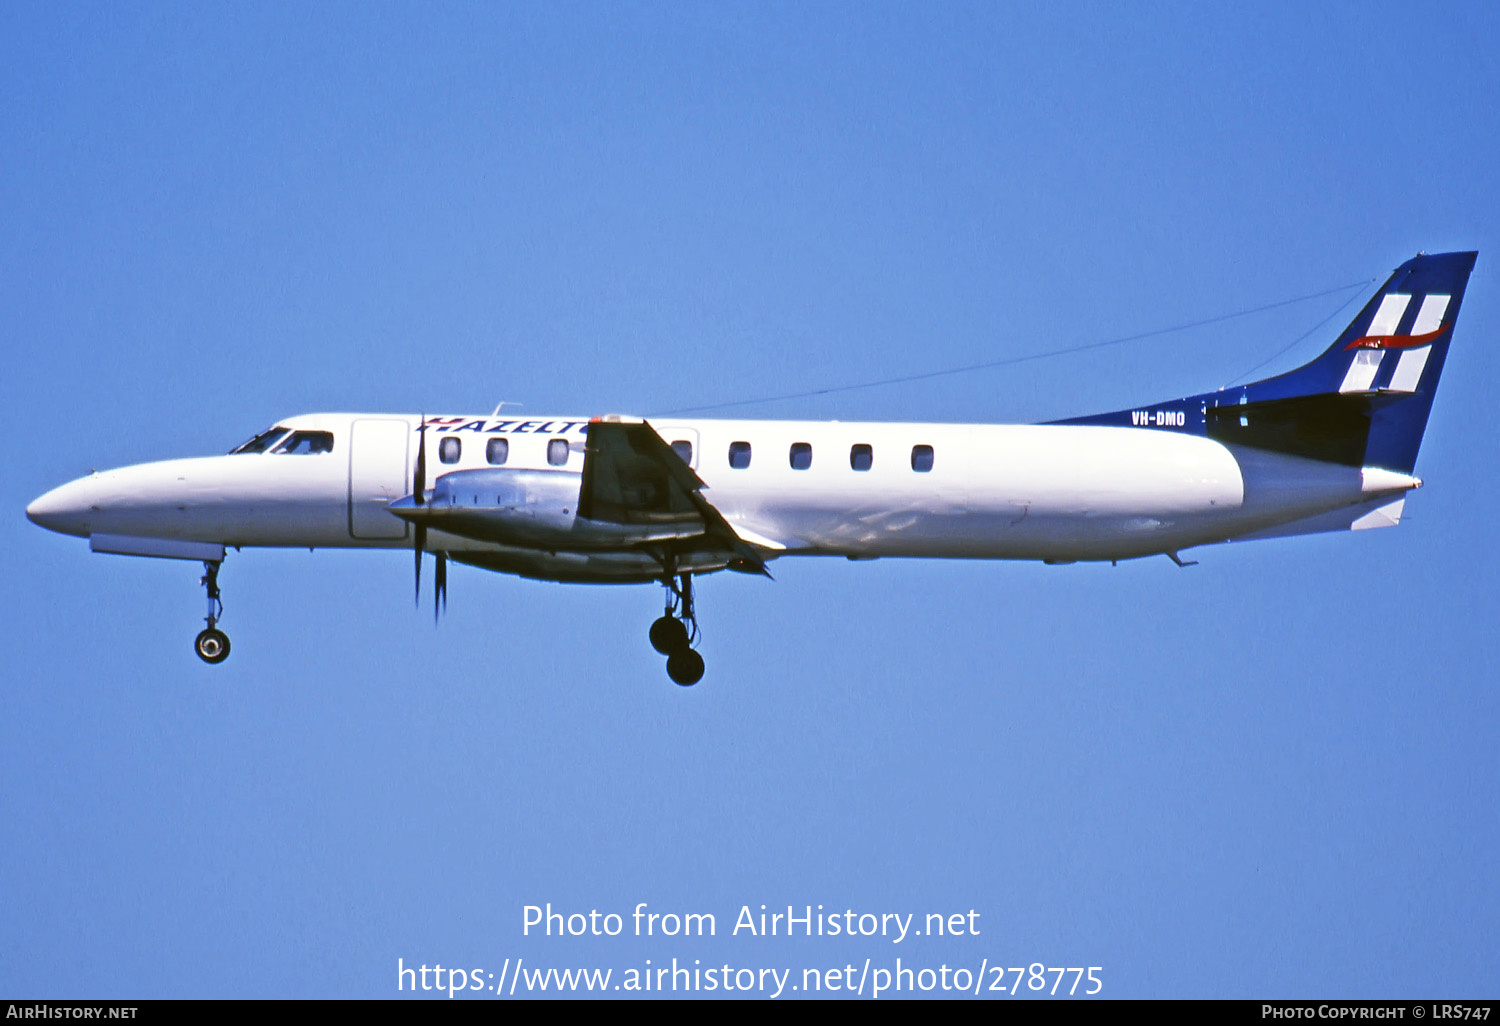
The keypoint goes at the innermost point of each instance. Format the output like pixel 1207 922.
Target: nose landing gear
pixel 676 631
pixel 212 644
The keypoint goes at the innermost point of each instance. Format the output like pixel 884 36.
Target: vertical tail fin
pixel 1385 365
pixel 1363 403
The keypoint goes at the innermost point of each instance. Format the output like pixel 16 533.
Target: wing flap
pixel 632 476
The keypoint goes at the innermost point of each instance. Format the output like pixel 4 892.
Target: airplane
pixel 1330 446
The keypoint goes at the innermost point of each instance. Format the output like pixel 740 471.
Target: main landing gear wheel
pixel 669 635
pixel 212 645
pixel 676 631
pixel 685 667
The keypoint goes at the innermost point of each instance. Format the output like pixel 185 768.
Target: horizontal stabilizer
pixel 1382 512
pixel 1329 426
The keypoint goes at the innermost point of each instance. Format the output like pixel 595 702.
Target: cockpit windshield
pixel 261 442
pixel 306 443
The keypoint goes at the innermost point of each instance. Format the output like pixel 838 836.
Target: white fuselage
pixel 862 490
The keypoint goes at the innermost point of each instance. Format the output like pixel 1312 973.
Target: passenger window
pixel 861 457
pixel 801 455
pixel 685 450
pixel 921 458
pixel 306 443
pixel 496 451
pixel 557 451
pixel 739 455
pixel 449 449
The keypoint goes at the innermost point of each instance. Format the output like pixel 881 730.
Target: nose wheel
pixel 212 644
pixel 675 632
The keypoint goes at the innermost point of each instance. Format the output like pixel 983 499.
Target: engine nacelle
pixel 532 508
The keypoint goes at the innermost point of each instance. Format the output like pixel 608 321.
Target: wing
pixel 632 476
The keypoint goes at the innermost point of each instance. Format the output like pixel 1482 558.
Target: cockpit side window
pixel 306 443
pixel 261 442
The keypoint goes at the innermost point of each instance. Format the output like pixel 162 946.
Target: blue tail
pixel 1364 402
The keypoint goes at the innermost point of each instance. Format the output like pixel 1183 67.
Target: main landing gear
pixel 675 633
pixel 212 644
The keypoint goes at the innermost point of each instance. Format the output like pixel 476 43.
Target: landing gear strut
pixel 212 644
pixel 675 633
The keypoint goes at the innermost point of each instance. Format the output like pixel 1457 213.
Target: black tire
pixel 685 667
pixel 669 635
pixel 212 645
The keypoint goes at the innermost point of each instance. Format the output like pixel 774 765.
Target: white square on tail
pixel 1362 370
pixel 1409 369
pixel 1430 317
pixel 1392 306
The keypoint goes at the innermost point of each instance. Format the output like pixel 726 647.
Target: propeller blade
pixel 419 496
pixel 419 483
pixel 440 585
pixel 420 547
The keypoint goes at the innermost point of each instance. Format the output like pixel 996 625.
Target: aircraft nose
pixel 64 510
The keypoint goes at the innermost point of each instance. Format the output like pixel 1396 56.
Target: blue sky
pixel 1270 774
